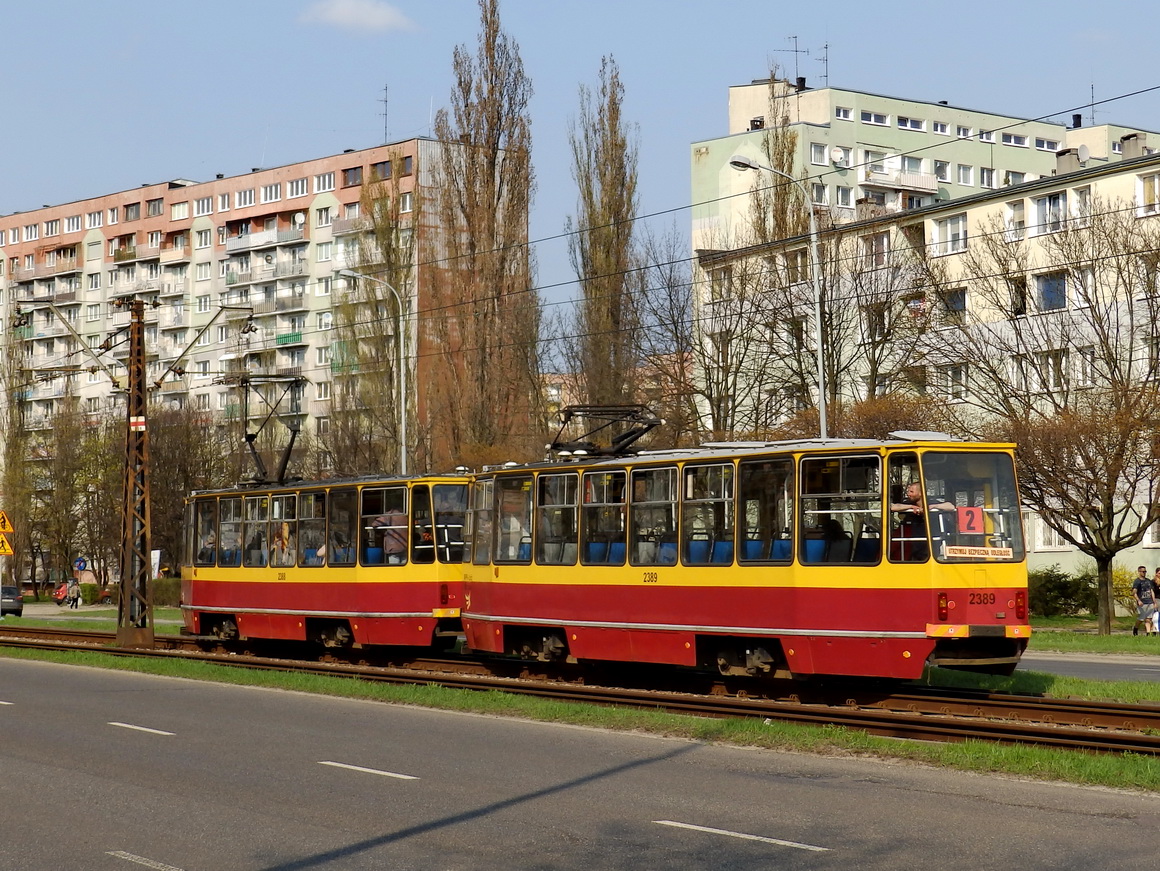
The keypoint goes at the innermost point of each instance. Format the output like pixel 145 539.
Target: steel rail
pixel 910 713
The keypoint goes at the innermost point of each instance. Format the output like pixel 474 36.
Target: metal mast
pixel 135 612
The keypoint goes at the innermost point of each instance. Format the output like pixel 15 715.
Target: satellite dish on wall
pixel 1084 153
pixel 299 218
pixel 837 156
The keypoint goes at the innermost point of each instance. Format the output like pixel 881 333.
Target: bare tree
pixel 604 167
pixel 1063 357
pixel 485 392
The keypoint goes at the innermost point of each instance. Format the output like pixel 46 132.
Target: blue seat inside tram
pixel 753 548
pixel 781 549
pixel 595 551
pixel 667 556
pixel 722 552
pixel 868 550
pixel 524 552
pixel 374 556
pixel 814 550
pixel 698 550
pixel 616 553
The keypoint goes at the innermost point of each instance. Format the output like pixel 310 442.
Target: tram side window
pixel 283 530
pixel 654 517
pixel 422 530
pixel 450 511
pixel 312 529
pixel 481 515
pixel 230 531
pixel 841 510
pixel 556 529
pixel 513 532
pixel 383 530
pixel 766 509
pixel 343 522
pixel 707 515
pixel 257 514
pixel 908 541
pixel 972 506
pixel 205 518
pixel 604 531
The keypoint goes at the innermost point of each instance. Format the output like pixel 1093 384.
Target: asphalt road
pixel 107 770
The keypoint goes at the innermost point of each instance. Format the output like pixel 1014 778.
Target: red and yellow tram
pixel 340 562
pixel 791 559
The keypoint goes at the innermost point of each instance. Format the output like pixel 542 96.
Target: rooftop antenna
pixel 825 59
pixel 1092 119
pixel 795 51
pixel 386 129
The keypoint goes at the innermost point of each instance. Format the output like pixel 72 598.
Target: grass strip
pixel 1127 770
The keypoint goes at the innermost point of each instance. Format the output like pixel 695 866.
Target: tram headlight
pixel 944 608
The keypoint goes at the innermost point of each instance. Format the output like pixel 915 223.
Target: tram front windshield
pixel 973 507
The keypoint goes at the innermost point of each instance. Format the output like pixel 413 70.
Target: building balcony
pixel 343 226
pixel 123 255
pixel 292 268
pixel 176 254
pixel 249 241
pixel 923 182
pixel 294 338
pixel 233 278
pixel 174 287
pixel 291 302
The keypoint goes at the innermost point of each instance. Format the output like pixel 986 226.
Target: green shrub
pixel 166 592
pixel 1052 592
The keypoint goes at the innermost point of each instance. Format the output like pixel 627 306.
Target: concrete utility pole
pixel 135 612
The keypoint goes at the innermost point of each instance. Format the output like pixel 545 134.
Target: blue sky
pixel 100 97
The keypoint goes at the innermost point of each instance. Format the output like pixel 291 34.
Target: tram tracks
pixel 905 712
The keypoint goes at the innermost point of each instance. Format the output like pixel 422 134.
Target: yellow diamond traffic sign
pixel 5 547
pixel 5 523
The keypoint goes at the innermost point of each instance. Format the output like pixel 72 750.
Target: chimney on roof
pixel 220 175
pixel 1076 120
pixel 757 123
pixel 347 150
pixel 1132 145
pixel 1066 160
pixel 255 169
pixel 801 83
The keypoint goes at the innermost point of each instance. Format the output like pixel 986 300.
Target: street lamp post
pixel 401 379
pixel 742 163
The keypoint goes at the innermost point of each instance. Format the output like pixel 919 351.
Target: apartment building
pixel 861 154
pixel 238 274
pixel 1042 290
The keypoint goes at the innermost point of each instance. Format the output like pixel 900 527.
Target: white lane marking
pixel 7 703
pixel 141 860
pixel 142 729
pixel 743 836
pixel 369 770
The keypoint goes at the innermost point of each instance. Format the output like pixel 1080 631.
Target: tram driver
pixel 909 539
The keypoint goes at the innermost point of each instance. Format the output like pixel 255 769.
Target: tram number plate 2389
pixel 650 577
pixel 982 598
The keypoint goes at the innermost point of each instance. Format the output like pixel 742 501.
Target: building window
pixel 52 228
pixel 95 281
pixel 721 283
pixel 202 239
pixel 72 224
pixel 1149 196
pixel 951 234
pixel 153 208
pixel 905 123
pixel 114 213
pixel 202 206
pixel 819 194
pixel 93 312
pixel 1051 370
pixel 1016 139
pixel 322 390
pixel 203 272
pixel 406 200
pixel 845 197
pixel 843 113
pixel 271 193
pixel 1046 144
pixel 1050 212
pixel 381 171
pixel 408 165
pixel 179 211
pixel 244 198
pixel 953 381
pixel 324 182
pixel 94 220
pixel 1016 222
pixel 352 176
pixel 942 170
pixel 324 251
pixel 296 188
pixel 963 132
pixel 986 136
pixel 875 161
pixel 322 288
pixel 223 334
pixel 325 320
pixel 966 174
pixel 874 118
pixel 954 303
pixel 986 177
pixel 322 356
pixel 1051 291
pixel 132 212
pixel 940 127
pixel 818 153
pixel 876 250
pixel 223 202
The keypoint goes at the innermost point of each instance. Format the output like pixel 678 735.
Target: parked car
pixel 11 601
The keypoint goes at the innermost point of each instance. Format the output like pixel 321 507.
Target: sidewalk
pixel 49 610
